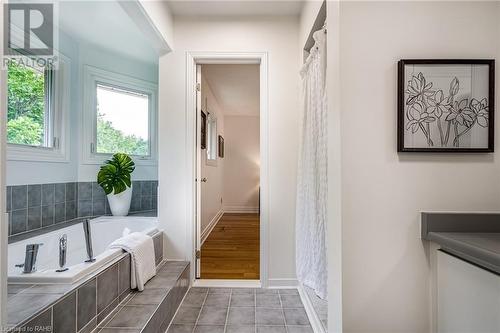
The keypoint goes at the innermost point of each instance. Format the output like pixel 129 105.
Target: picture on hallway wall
pixel 446 105
pixel 221 146
pixel 203 131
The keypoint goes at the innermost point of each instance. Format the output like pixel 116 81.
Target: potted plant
pixel 114 178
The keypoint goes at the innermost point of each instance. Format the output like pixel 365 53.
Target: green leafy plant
pixel 114 175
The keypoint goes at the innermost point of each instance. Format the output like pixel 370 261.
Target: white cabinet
pixel 468 297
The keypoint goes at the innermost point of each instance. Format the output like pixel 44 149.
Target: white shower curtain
pixel 311 212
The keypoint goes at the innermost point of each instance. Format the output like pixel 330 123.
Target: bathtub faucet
pixel 88 240
pixel 29 265
pixel 63 247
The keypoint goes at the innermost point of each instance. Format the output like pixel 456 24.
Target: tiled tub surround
pixel 38 206
pixel 71 308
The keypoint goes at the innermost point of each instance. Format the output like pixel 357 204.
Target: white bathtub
pixel 104 231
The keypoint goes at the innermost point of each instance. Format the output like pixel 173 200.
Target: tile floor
pixel 241 310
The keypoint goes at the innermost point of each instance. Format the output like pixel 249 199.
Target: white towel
pixel 142 253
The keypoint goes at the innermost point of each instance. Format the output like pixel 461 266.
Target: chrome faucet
pixel 63 247
pixel 88 240
pixel 29 265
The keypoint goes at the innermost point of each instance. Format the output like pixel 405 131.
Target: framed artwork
pixel 446 105
pixel 221 147
pixel 203 131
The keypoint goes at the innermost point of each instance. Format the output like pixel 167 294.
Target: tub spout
pixel 63 247
pixel 88 240
pixel 29 265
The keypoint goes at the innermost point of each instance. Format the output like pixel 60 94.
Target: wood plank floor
pixel 232 249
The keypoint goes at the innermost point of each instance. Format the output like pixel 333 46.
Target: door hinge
pixel 92 148
pixel 198 254
pixel 198 87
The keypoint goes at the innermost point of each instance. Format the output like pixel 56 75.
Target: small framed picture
pixel 203 131
pixel 221 147
pixel 446 105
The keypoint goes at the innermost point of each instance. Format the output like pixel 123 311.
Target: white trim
pixel 226 283
pixel 282 283
pixel 193 58
pixel 92 75
pixel 314 320
pixel 211 226
pixel 241 209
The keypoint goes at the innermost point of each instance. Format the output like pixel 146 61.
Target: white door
pixel 198 171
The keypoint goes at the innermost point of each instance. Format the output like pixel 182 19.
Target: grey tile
pixel 14 288
pixel 148 297
pixel 146 203
pixel 174 328
pixel 71 192
pixel 84 208
pixel 291 301
pixel 135 204
pixel 107 208
pixel 158 247
pixel 299 329
pixel 60 193
pixel 107 310
pixel 48 194
pixel 154 190
pixel 85 191
pixel 119 330
pixel 34 218
pixel 107 287
pixel 48 289
pixel 124 275
pixel 34 195
pixel 132 316
pixel 65 315
pixel 265 316
pixel 146 188
pixel 288 291
pixel 47 215
pixel 154 202
pixel 137 188
pixel 41 323
pixel 60 212
pixel 219 290
pixel 71 210
pixel 17 310
pixel 268 301
pixel 241 316
pixel 8 199
pixel 97 191
pixel 212 316
pixel 238 300
pixel 296 317
pixel 98 207
pixel 19 197
pixel 86 303
pixel 160 282
pixel 19 220
pixel 240 329
pixel 263 291
pixel 194 299
pixel 209 329
pixel 271 329
pixel 186 315
pixel 218 300
pixel 198 290
pixel 243 291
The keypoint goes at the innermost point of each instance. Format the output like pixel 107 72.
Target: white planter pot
pixel 120 203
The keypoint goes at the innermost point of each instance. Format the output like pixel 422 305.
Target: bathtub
pixel 104 231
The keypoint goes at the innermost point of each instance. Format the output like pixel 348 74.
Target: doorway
pixel 230 155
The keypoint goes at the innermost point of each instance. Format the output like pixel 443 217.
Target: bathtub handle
pixel 63 246
pixel 29 265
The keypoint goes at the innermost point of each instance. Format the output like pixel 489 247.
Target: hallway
pixel 232 249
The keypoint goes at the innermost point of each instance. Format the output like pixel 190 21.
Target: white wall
pixel 277 36
pixel 385 264
pixel 241 163
pixel 212 190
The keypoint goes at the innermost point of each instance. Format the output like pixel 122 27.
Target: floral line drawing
pixel 428 109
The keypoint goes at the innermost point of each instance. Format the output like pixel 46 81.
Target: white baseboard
pixel 282 283
pixel 316 324
pixel 211 226
pixel 241 209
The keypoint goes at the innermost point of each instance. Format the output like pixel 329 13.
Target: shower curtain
pixel 311 214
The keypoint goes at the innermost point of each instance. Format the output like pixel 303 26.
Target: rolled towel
pixel 142 253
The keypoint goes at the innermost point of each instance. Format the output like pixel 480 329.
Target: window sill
pixel 35 154
pixel 101 158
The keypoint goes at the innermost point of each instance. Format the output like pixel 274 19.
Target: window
pixel 122 121
pixel 119 116
pixel 30 94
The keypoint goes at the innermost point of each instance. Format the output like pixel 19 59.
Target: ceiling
pixel 107 25
pixel 236 88
pixel 235 7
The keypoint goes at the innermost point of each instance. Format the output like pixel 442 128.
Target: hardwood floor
pixel 232 249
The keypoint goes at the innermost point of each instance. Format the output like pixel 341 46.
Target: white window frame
pixel 59 152
pixel 93 76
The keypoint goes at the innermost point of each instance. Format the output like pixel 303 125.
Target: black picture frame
pixel 221 146
pixel 203 131
pixel 483 110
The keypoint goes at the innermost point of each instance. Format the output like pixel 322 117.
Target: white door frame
pixel 192 59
